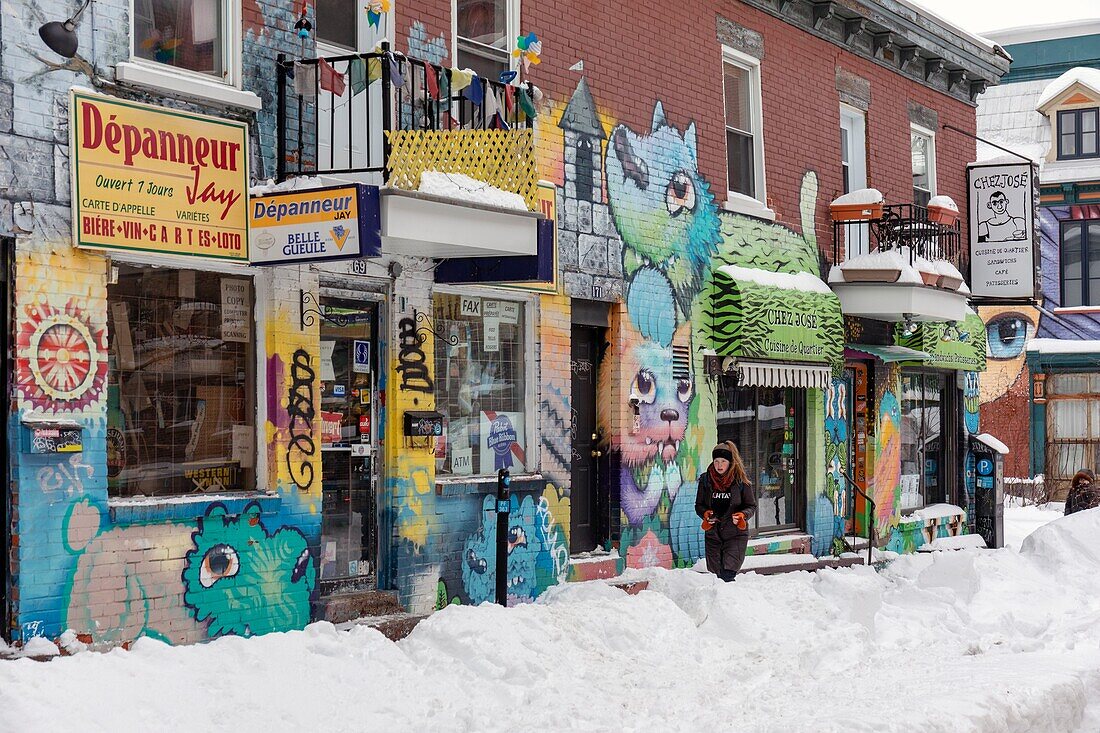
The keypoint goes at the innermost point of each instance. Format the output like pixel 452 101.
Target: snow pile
pixel 296 183
pixel 1063 346
pixel 959 542
pixel 859 197
pixel 975 641
pixel 943 202
pixel 461 187
pixel 1086 76
pixel 946 269
pixel 992 443
pixel 889 259
pixel 803 281
pixel 1021 520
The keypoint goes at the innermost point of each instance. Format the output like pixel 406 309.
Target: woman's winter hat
pixel 723 450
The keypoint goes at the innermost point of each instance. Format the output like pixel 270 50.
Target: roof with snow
pixel 1080 78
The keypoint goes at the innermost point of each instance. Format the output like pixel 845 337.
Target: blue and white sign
pixel 315 225
pixel 361 357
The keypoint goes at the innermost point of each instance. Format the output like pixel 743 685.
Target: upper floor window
pixel 744 123
pixel 1081 263
pixel 923 150
pixel 485 31
pixel 192 35
pixel 1078 133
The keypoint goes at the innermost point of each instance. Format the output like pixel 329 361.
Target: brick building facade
pixel 603 388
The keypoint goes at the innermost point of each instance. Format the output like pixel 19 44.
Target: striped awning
pixel 765 374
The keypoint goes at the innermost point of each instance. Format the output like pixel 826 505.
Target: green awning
pixel 953 345
pixel 773 317
pixel 888 354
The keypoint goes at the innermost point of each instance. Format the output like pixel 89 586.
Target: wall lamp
pixel 910 326
pixel 61 37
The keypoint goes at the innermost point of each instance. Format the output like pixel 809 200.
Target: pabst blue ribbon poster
pixel 158 180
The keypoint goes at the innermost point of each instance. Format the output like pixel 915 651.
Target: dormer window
pixel 1078 133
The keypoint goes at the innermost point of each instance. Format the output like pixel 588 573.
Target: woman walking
pixel 724 502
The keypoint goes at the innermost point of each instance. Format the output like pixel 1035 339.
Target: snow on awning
pixel 886 354
pixel 773 317
pixel 992 443
pixel 763 374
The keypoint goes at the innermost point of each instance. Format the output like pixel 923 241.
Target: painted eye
pixel 644 387
pixel 680 194
pixel 300 567
pixel 1007 335
pixel 685 390
pixel 516 538
pixel 219 562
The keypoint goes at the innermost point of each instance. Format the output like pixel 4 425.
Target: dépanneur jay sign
pixel 158 180
pixel 334 223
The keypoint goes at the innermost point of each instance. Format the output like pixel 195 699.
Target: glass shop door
pixel 349 539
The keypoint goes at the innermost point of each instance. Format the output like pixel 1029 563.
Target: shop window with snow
pixel 181 378
pixel 481 385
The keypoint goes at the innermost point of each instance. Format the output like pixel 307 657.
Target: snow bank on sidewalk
pixel 997 641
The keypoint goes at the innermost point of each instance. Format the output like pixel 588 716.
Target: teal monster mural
pixel 673 235
pixel 244 581
pixel 535 552
pixel 662 207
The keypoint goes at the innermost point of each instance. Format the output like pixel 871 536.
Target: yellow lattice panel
pixel 502 158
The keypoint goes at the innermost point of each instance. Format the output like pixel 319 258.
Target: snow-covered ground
pixel 972 640
pixel 1020 520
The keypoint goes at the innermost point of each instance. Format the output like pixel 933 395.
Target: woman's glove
pixel 739 520
pixel 709 520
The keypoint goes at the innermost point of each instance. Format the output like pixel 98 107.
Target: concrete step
pixel 395 626
pixel 793 563
pixel 340 607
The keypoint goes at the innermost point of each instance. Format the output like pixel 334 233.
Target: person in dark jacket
pixel 724 502
pixel 1084 493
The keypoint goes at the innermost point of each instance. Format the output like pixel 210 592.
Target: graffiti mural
pixel 670 232
pixel 537 554
pixel 832 511
pixel 242 580
pixel 886 480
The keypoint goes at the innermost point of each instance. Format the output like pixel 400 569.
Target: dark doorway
pixel 585 531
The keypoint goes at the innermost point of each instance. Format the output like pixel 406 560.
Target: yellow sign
pixel 151 179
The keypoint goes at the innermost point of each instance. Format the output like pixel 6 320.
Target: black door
pixel 584 530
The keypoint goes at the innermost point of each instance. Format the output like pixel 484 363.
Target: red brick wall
pixel 650 54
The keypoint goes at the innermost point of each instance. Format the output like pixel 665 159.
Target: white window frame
pixel 533 445
pixel 511 26
pixel 752 206
pixel 183 82
pixel 931 135
pixel 853 125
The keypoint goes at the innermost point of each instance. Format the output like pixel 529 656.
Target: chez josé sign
pixel 1002 230
pixel 152 179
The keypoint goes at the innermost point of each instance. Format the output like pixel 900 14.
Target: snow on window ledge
pixel 741 204
pixel 144 75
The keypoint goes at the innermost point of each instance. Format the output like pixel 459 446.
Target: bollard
pixel 504 507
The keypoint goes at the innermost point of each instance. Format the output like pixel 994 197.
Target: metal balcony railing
pixel 906 228
pixel 321 131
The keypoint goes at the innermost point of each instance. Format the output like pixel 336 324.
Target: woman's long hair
pixel 737 466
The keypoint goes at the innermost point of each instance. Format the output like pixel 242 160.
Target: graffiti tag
pixel 412 363
pixel 301 411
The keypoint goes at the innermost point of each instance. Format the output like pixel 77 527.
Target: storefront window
pixel 922 411
pixel 763 424
pixel 480 385
pixel 181 383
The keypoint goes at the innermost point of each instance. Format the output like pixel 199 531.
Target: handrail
pixel 870 515
pixel 415 95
